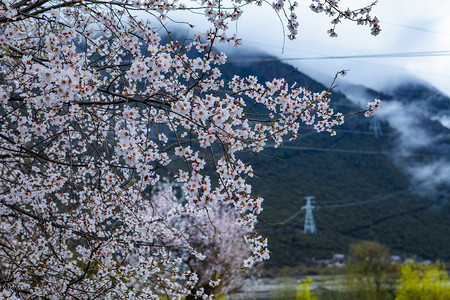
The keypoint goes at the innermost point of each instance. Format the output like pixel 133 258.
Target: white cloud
pixel 419 150
pixel 408 26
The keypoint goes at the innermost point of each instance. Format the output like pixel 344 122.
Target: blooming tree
pixel 223 245
pixel 95 108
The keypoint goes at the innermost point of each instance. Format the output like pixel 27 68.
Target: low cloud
pixel 422 145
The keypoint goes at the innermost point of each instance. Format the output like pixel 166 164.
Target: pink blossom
pixel 97 108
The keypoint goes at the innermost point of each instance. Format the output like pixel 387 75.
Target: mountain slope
pixel 362 192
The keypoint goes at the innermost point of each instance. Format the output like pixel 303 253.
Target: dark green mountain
pixel 362 190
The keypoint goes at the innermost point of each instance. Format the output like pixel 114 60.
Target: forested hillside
pixel 361 194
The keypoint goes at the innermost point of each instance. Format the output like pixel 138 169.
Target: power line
pixel 415 28
pixel 405 70
pixel 291 217
pixel 383 22
pixel 309 225
pixel 383 55
pixel 364 62
pixel 362 132
pixel 357 202
pixel 370 152
pixel 375 199
pixel 347 131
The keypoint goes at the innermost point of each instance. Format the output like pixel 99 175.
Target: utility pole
pixel 310 226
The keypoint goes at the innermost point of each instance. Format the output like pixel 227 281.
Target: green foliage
pixel 423 282
pixel 369 271
pixel 304 290
pixel 369 258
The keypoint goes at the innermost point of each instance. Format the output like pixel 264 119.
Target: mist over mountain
pixel 418 113
pixel 384 178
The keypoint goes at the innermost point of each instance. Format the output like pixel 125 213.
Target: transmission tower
pixel 375 126
pixel 310 226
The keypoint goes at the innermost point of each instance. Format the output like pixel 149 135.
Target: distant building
pixel 396 259
pixel 338 258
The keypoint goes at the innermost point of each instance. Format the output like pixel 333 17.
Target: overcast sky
pixel 407 26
